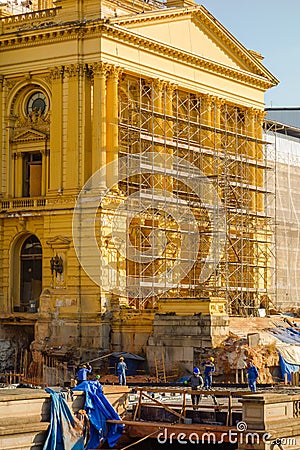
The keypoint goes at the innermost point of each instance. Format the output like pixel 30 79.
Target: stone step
pixel 23 436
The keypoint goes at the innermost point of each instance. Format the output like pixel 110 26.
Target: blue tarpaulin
pixel 287 368
pixel 286 335
pixel 99 410
pixel 64 432
pixel 289 353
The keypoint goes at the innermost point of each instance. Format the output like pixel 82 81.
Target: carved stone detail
pixel 56 73
pixel 35 118
pixel 74 70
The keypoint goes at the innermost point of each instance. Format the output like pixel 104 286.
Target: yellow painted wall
pixel 58 60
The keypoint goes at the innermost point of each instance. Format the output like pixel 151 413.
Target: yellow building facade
pixel 96 87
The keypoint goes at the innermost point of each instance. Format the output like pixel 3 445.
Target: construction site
pixel 139 193
pixel 148 211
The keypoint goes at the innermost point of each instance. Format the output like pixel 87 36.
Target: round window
pixel 37 102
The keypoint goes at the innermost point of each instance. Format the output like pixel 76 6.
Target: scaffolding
pixel 284 155
pixel 196 134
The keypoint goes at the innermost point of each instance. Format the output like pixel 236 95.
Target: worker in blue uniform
pixel 121 371
pixel 209 369
pixel 196 382
pixel 83 372
pixel 252 374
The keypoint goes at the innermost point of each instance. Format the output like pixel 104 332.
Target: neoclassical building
pixel 133 177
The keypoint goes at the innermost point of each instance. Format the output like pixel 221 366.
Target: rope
pixel 140 440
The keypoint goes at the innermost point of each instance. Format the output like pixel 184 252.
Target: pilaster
pixel 112 137
pixel 44 172
pixel 18 174
pixel 56 130
pixel 85 133
pixel 71 175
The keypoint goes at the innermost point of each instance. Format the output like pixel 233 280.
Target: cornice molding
pixel 264 80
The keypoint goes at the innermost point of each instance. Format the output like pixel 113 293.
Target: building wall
pixel 98 84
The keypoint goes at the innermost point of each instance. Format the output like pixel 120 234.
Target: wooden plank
pixel 141 429
pixel 201 406
pixel 222 393
pixel 229 414
pixel 138 406
pixel 162 405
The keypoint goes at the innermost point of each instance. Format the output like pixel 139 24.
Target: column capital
pixel 208 98
pixel 17 155
pixel 74 70
pixel 114 72
pixel 260 114
pixel 56 73
pixel 159 85
pixel 250 113
pixel 219 101
pixel 170 87
pixel 99 68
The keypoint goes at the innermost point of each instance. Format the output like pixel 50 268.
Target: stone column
pixel 1 128
pixel 170 88
pixel 158 91
pixel 250 153
pixel 99 119
pixel 112 119
pixel 217 122
pixel 56 130
pixel 157 101
pixel 258 129
pixel 207 135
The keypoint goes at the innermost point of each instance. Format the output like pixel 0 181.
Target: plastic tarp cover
pixel 287 368
pixel 288 347
pixel 286 335
pixel 99 410
pixel 64 433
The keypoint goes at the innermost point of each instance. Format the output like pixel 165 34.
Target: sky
pixel 270 27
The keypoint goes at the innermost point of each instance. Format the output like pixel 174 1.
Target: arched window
pixel 30 275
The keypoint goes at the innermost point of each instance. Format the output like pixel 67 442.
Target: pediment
pixel 59 242
pixel 196 32
pixel 30 135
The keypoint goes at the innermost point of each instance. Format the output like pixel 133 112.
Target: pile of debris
pixel 235 352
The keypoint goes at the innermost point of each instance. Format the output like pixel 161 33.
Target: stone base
pixel 183 325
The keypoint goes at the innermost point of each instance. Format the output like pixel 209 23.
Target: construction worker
pixel 196 382
pixel 209 369
pixel 121 371
pixel 83 372
pixel 252 374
